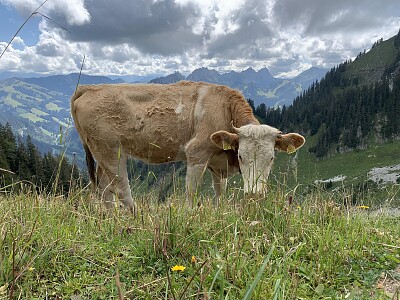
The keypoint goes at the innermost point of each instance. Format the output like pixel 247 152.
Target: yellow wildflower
pixel 178 268
pixel 194 259
pixel 363 206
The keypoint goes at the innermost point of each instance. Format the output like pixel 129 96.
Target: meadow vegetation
pixel 288 245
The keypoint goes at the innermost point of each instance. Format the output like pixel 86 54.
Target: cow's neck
pixel 241 112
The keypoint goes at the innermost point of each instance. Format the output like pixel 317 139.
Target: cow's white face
pixel 256 156
pixel 256 146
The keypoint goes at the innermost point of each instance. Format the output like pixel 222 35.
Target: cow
pixel 209 126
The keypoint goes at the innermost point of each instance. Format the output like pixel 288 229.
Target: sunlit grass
pixel 318 247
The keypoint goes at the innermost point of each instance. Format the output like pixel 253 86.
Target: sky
pixel 144 37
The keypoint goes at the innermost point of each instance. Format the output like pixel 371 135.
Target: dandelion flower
pixel 178 268
pixel 363 206
pixel 30 269
pixel 194 259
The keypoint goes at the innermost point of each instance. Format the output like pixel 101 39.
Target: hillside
pixel 355 104
pixel 34 110
pixel 259 86
pixel 66 84
pixel 369 67
pixel 40 107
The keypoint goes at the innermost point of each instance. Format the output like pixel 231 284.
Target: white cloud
pixel 74 10
pixel 144 36
pixel 18 40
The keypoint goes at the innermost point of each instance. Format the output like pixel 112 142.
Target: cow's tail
pixel 91 166
pixel 90 162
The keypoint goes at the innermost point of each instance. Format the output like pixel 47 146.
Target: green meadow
pixel 287 245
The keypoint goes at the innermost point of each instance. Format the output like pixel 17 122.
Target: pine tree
pixel 9 146
pixel 251 102
pixel 3 159
pixel 397 40
pixel 34 160
pixel 261 110
pixel 23 162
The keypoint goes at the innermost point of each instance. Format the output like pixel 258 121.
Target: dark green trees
pixel 342 114
pixel 22 161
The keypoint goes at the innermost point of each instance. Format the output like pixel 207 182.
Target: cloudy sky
pixel 143 37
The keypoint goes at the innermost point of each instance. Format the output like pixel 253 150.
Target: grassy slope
pixel 370 67
pixel 63 248
pixel 355 164
pixel 33 110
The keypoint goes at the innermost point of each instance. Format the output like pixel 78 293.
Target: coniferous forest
pixel 343 120
pixel 21 164
pixel 343 112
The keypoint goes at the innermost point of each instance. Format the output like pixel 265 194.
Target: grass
pixel 369 67
pixel 32 117
pixel 60 122
pixel 317 248
pixel 12 102
pixel 38 112
pixel 53 106
pixel 361 162
pixel 46 132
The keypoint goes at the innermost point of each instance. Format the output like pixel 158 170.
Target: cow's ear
pixel 289 142
pixel 225 140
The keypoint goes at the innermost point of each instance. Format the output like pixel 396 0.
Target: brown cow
pixel 206 125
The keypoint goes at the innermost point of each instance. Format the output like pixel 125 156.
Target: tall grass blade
pixel 259 274
pixel 276 289
pixel 213 281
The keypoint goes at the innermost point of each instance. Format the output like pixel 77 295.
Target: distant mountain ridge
pixel 259 86
pixel 66 84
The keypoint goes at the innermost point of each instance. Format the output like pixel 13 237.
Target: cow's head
pixel 256 146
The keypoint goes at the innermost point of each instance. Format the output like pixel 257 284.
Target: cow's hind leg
pixel 123 192
pixel 106 188
pixel 118 176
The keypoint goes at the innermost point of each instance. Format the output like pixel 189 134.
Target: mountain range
pixel 259 86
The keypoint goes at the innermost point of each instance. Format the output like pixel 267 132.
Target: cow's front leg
pixel 194 175
pixel 219 184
